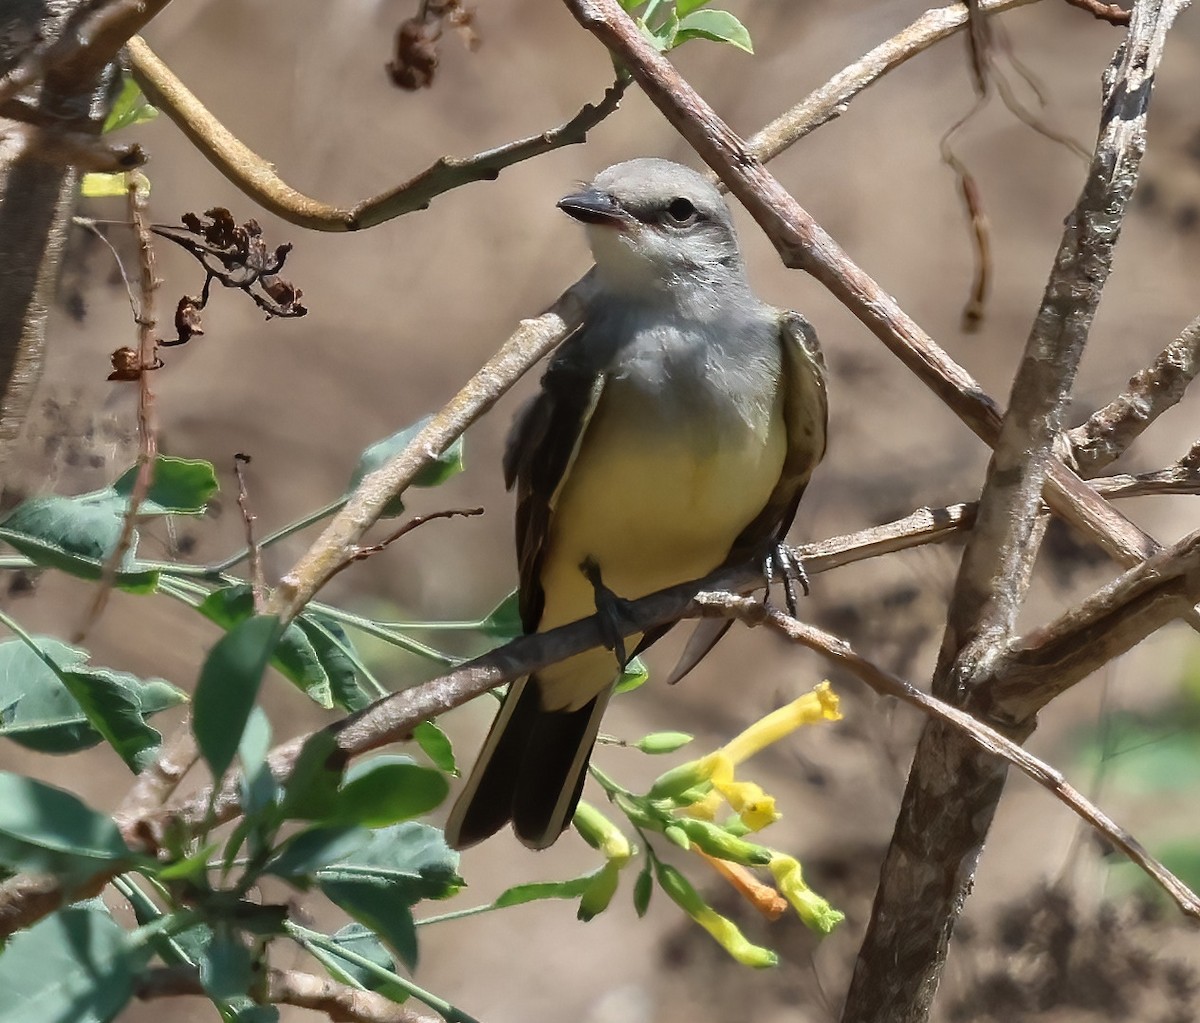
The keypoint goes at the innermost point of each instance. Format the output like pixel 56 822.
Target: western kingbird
pixel 675 431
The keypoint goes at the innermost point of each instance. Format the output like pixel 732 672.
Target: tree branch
pixel 340 1002
pixel 259 180
pixel 831 99
pixel 1108 432
pixel 952 790
pixel 1051 659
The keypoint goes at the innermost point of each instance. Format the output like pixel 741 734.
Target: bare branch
pixel 1112 13
pixel 952 791
pixel 90 39
pixel 1153 390
pixel 259 180
pixel 340 1002
pixel 147 420
pixel 832 98
pixel 1049 660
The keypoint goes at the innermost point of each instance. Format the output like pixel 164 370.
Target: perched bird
pixel 674 431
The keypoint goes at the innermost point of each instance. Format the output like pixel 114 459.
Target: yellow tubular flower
pixel 819 705
pixel 814 910
pixel 724 931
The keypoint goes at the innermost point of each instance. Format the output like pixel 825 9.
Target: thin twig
pixel 1108 432
pixel 147 420
pixel 1112 13
pixel 832 99
pixel 362 553
pixel 156 783
pixel 258 179
pixel 258 584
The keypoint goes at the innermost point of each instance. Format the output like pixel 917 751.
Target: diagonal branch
pixel 1153 390
pixel 258 179
pixel 1050 660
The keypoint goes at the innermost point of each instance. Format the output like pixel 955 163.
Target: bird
pixel 673 432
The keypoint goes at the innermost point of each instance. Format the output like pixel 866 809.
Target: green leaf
pixel 129 108
pixel 181 486
pixel 315 848
pixel 38 711
pixel 228 686
pixel 226 967
pixel 446 465
pixel 311 791
pixel 75 966
pixel 258 785
pixel 378 905
pixel 504 621
pixel 719 26
pixel 378 883
pixel 435 744
pixel 334 652
pixel 412 858
pixel 685 7
pixel 643 887
pixel 520 894
pixel 362 941
pixel 388 789
pixel 634 675
pixel 76 535
pixel 294 656
pixel 43 828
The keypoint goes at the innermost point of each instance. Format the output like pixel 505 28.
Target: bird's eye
pixel 681 211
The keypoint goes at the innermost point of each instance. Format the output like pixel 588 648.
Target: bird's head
pixel 652 223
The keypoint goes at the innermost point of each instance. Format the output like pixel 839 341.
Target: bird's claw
pixel 783 560
pixel 612 611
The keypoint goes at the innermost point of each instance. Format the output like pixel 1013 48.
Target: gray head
pixel 652 223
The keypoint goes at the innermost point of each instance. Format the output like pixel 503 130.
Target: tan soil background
pixel 402 314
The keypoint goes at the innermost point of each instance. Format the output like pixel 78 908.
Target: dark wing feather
pixel 541 446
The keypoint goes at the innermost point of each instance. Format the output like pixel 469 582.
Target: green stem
pixel 312 941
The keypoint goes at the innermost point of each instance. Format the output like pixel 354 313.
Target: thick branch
pixel 259 180
pixel 1153 390
pixel 952 791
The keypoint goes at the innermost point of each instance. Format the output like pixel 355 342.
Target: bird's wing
pixel 542 445
pixel 805 414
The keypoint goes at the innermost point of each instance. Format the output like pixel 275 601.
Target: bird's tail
pixel 530 771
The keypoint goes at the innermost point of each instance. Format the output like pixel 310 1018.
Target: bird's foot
pixel 783 560
pixel 614 612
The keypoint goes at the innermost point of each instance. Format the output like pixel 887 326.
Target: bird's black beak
pixel 593 207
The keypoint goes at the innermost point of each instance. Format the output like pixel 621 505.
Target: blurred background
pixel 402 314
